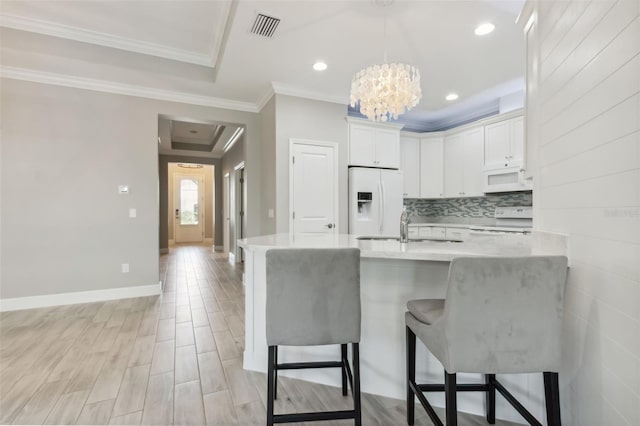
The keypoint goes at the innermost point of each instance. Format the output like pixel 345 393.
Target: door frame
pixel 336 171
pixel 239 189
pixel 226 210
pixel 201 209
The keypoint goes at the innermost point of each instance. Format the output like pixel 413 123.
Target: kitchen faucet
pixel 404 226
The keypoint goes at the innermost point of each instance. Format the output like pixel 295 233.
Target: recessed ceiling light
pixel 484 29
pixel 452 96
pixel 320 66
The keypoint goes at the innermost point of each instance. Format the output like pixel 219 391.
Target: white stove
pixel 509 220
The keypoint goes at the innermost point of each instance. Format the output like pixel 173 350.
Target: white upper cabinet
pixel 387 148
pixel 431 167
pixel 374 145
pixel 473 163
pixel 504 144
pixel 410 165
pixel 463 164
pixel 361 145
pixel 517 139
pixel 453 166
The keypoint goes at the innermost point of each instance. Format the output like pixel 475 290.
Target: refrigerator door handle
pixel 382 204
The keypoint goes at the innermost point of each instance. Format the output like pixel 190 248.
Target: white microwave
pixel 505 180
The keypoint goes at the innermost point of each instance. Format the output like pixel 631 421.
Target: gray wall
pixel 64 228
pixel 163 162
pixel 268 181
pixel 314 120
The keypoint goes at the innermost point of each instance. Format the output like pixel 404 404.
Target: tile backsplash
pixel 473 207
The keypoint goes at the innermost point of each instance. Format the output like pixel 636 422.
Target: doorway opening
pixel 191 203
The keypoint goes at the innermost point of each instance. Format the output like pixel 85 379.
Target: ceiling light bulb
pixel 320 66
pixel 484 29
pixel 452 96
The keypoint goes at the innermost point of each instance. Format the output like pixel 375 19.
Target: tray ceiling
pixel 204 51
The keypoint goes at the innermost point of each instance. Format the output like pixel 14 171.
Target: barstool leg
pixel 275 373
pixel 343 350
pixel 411 376
pixel 450 399
pixel 489 380
pixel 270 385
pixel 552 398
pixel 356 384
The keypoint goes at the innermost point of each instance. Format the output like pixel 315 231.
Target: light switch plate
pixel 125 268
pixel 271 213
pixel 132 213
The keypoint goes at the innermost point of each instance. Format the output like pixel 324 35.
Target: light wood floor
pixel 174 359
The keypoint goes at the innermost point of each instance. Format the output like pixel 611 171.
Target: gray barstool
pixel 313 298
pixel 500 315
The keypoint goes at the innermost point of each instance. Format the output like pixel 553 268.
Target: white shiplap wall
pixel 587 186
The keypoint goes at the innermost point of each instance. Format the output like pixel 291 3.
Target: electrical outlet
pixel 133 213
pixel 271 214
pixel 125 268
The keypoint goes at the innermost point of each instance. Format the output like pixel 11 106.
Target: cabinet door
pixel 361 145
pixel 516 146
pixel 453 166
pixel 496 145
pixel 387 148
pixel 431 168
pixel 410 157
pixel 473 163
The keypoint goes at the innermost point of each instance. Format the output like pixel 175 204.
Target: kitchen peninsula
pixel 391 273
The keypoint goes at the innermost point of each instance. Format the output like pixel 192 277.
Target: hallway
pixel 175 359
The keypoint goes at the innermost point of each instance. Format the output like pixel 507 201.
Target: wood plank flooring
pixel 170 359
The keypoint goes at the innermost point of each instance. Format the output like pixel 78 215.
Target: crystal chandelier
pixel 386 90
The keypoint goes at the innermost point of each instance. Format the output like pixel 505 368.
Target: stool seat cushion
pixel 427 311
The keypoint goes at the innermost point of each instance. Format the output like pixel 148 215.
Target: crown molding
pixel 36 76
pixel 109 40
pixel 265 98
pixel 285 89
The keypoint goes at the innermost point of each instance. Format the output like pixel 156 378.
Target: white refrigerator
pixel 375 201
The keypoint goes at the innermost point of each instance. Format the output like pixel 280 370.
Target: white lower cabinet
pixel 457 233
pixel 438 232
pixel 414 232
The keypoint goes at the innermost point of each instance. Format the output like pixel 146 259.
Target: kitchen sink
pixel 411 240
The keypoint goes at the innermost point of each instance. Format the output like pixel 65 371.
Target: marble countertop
pixel 443 251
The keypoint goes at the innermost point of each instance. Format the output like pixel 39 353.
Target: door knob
pixel 329 225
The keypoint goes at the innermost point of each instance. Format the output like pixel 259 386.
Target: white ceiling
pixel 176 136
pixel 203 52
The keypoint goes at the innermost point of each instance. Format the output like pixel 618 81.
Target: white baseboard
pixel 218 248
pixel 32 302
pixel 164 251
pixel 232 258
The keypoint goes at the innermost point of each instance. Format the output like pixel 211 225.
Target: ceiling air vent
pixel 265 25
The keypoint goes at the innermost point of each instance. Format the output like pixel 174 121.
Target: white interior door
pixel 314 189
pixel 188 205
pixel 225 212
